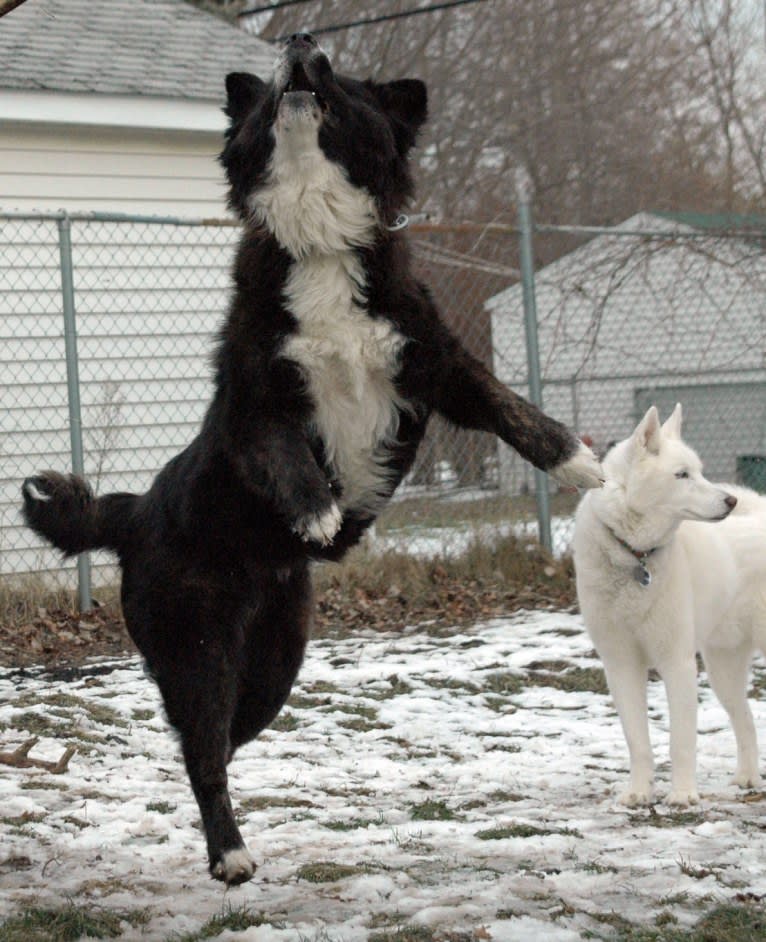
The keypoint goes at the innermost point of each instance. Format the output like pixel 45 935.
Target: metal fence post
pixel 73 390
pixel 524 200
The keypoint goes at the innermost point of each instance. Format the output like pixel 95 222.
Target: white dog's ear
pixel 672 426
pixel 647 433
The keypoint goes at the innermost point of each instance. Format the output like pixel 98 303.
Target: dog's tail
pixel 63 509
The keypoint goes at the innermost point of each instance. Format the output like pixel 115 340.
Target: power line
pixel 272 6
pixel 384 18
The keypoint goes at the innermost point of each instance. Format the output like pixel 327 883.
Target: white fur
pixel 349 359
pixel 308 203
pixel 236 866
pixel 581 470
pixel 708 594
pixel 321 528
pixel 35 493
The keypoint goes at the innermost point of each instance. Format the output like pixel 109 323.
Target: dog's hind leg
pixel 199 699
pixel 727 670
pixel 275 641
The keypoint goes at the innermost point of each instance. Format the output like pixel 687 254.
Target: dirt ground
pixel 59 636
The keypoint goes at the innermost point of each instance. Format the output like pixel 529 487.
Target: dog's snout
pixel 301 39
pixel 731 502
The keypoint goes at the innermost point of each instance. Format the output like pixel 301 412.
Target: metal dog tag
pixel 642 575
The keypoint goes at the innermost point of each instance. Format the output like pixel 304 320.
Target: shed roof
pixel 163 48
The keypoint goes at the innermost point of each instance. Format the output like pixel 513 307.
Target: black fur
pixel 216 590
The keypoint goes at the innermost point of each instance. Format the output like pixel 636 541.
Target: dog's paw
pixel 234 867
pixel 635 797
pixel 747 779
pixel 583 469
pixel 320 528
pixel 680 797
pixel 35 490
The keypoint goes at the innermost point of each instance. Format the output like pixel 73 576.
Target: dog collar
pixel 640 572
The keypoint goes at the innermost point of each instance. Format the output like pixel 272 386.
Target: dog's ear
pixel 648 430
pixel 672 426
pixel 243 91
pixel 405 101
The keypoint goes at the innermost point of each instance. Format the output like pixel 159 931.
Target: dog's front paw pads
pixel 234 867
pixel 680 797
pixel 583 469
pixel 320 528
pixel 35 489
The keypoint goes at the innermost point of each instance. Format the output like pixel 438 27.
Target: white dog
pixel 657 581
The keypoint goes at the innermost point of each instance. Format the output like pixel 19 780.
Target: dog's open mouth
pixel 300 82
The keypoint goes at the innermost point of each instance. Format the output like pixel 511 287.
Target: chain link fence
pixel 657 310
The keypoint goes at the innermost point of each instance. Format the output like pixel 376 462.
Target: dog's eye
pixel 682 474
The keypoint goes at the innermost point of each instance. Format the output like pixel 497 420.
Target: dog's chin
pixel 704 518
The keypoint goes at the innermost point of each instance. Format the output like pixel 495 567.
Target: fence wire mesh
pixel 657 310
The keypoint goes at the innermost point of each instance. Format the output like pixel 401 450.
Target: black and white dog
pixel 328 366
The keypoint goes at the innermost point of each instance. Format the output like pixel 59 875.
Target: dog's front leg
pixel 277 462
pixel 466 393
pixel 680 678
pixel 626 677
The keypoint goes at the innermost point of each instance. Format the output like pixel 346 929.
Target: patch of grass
pixel 523 830
pixel 449 683
pixel 396 688
pixel 286 722
pixel 730 922
pixel 367 713
pixel 670 819
pixel 351 824
pixel 504 683
pixel 572 680
pixel 432 811
pixel 141 716
pixel 69 923
pixel 262 802
pixel 403 934
pixel 161 807
pixel 229 919
pixel 329 872
pixel 20 822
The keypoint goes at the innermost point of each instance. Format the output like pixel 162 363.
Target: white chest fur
pixel 348 358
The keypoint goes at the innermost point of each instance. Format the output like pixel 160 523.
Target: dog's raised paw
pixel 320 528
pixel 234 867
pixel 35 489
pixel 583 469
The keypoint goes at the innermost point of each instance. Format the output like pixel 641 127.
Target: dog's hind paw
pixel 320 528
pixel 234 867
pixel 583 469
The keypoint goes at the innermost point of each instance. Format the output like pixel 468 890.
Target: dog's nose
pixel 301 39
pixel 731 502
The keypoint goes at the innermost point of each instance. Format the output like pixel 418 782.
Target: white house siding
pixel 148 172
pixel 149 299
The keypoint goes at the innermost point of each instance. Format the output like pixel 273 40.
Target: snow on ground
pixel 457 780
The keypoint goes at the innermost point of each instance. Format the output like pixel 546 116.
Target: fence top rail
pixel 61 215
pixel 419 223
